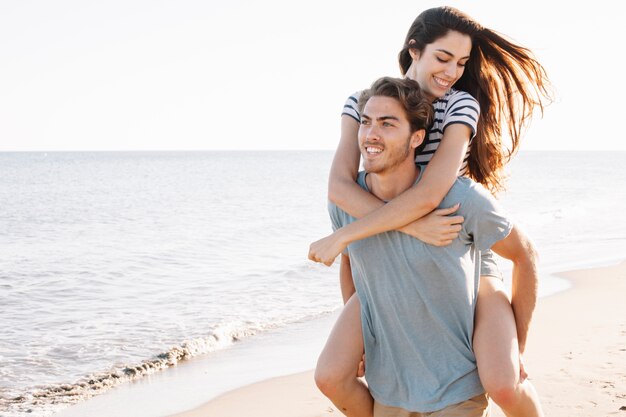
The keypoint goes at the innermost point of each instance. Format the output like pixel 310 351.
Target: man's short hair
pixel 419 110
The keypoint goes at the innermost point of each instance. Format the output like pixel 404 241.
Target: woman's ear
pixel 412 51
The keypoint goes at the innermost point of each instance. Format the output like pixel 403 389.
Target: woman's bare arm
pixel 342 187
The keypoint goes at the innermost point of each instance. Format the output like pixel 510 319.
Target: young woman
pixel 497 86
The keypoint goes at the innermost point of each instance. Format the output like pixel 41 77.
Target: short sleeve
pixel 488 265
pixel 338 220
pixel 351 107
pixel 462 108
pixel 485 221
pixel 335 216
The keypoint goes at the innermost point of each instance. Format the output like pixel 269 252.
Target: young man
pixel 417 301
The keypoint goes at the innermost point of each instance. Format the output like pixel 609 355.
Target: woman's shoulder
pixel 354 97
pixel 351 106
pixel 455 100
pixel 454 95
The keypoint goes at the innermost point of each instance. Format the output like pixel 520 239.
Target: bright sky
pixel 272 74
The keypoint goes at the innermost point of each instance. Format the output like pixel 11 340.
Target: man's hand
pixel 361 369
pixel 327 249
pixel 522 371
pixel 438 228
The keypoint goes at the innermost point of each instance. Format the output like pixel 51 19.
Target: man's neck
pixel 389 184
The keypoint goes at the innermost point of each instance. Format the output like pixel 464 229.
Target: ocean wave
pixel 46 400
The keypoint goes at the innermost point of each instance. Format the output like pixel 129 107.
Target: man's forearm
pixel 519 249
pixel 524 295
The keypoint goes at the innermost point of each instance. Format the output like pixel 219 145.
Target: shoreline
pixel 576 358
pixel 193 382
pixel 251 365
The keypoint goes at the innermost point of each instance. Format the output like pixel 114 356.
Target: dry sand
pixel 576 357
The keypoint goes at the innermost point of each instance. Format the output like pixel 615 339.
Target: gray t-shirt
pixel 417 304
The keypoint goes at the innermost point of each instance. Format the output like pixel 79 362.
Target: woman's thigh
pixel 344 348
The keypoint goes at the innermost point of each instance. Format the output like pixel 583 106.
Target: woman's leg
pixel 497 352
pixel 336 371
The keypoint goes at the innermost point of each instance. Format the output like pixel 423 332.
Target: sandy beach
pixel 576 358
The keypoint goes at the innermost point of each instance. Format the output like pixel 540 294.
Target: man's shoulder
pixel 338 215
pixel 472 187
pixel 463 186
pixel 335 210
pixel 466 190
pixel 360 179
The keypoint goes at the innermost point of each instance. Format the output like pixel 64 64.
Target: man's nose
pixel 373 132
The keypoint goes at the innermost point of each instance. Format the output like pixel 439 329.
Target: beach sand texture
pixel 576 358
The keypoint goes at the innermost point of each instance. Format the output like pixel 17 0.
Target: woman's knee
pixel 500 378
pixel 506 396
pixel 503 388
pixel 331 380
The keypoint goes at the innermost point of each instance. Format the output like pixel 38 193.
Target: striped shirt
pixel 454 107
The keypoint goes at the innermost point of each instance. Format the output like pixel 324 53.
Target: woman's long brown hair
pixel 505 78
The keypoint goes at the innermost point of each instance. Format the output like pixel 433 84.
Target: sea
pixel 115 266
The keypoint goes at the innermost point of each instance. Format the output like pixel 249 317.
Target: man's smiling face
pixel 384 135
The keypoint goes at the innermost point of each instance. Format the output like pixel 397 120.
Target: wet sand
pixel 576 358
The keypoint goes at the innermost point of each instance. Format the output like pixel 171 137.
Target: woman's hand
pixel 438 228
pixel 327 249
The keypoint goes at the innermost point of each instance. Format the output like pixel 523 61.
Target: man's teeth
pixel 369 149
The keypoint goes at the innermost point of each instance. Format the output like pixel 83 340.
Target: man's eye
pixel 387 124
pixel 365 122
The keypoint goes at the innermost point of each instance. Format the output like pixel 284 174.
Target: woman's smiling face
pixel 441 63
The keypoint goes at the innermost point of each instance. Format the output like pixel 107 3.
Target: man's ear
pixel 417 138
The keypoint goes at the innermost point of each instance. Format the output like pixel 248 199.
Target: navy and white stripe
pixel 454 107
pixel 351 108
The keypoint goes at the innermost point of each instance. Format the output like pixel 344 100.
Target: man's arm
pixel 520 250
pixel 345 278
